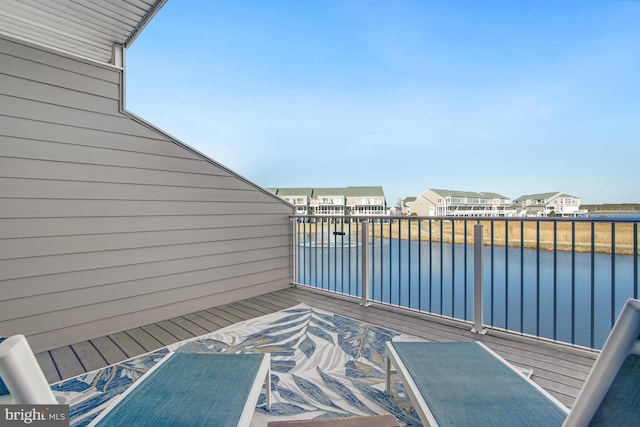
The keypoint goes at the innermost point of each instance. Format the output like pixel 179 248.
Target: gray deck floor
pixel 557 368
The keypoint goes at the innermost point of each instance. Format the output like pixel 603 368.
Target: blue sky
pixel 513 97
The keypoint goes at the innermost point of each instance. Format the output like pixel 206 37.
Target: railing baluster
pixel 315 253
pixel 613 273
pixel 593 282
pixel 465 284
pixel 399 262
pixel 419 264
pixel 359 250
pixel 492 272
pixel 349 255
pixel 365 263
pixel 390 256
pixel 440 309
pixel 573 283
pixel 430 266
pixel 453 268
pixel 555 279
pixel 342 246
pixel 409 261
pixel 635 260
pixel 538 314
pixel 521 276
pixel 506 274
pixel 335 256
pixel 381 264
pixel 307 254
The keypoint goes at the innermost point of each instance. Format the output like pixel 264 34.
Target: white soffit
pixel 87 28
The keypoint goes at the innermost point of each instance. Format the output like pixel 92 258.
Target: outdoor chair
pixel 21 379
pixel 465 383
pixel 193 389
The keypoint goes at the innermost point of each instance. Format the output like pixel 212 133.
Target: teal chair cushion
pixel 621 404
pixel 3 388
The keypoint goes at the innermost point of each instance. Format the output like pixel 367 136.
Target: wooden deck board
pixel 144 339
pixel 262 306
pixel 127 344
pixel 189 326
pixel 202 322
pixel 109 350
pixel 48 366
pixel 246 310
pixel 159 334
pixel 89 357
pixel 217 320
pixel 559 371
pixel 67 362
pixel 176 330
pixel 229 313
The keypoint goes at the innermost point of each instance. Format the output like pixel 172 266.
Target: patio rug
pixel 323 365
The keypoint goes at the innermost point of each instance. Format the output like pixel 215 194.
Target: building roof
pixel 375 191
pixel 489 195
pixel 479 195
pixel 350 191
pixel 284 192
pixel 86 28
pixel 542 196
pixel 328 192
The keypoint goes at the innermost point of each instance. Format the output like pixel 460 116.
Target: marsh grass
pixel 547 234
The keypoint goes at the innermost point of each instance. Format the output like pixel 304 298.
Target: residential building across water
pixel 436 202
pixel 350 201
pixel 370 200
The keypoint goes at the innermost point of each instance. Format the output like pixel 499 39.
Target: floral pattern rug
pixel 323 365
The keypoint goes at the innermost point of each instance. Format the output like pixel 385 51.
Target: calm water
pixel 634 216
pixel 438 278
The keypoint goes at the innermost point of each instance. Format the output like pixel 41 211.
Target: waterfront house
pixel 351 200
pixel 298 197
pixel 328 201
pixel 405 205
pixel 365 201
pixel 549 204
pixel 436 202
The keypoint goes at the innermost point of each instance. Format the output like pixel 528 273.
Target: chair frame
pixel 22 374
pixel 420 405
pixel 623 340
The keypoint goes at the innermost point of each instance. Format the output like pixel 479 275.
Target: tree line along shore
pixel 613 208
pixel 581 236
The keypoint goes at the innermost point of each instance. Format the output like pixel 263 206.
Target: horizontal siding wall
pixel 105 223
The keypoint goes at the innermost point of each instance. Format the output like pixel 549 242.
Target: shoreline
pixel 625 211
pixel 613 213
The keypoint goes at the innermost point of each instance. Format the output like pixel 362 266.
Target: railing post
pixel 477 279
pixel 294 254
pixel 366 259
